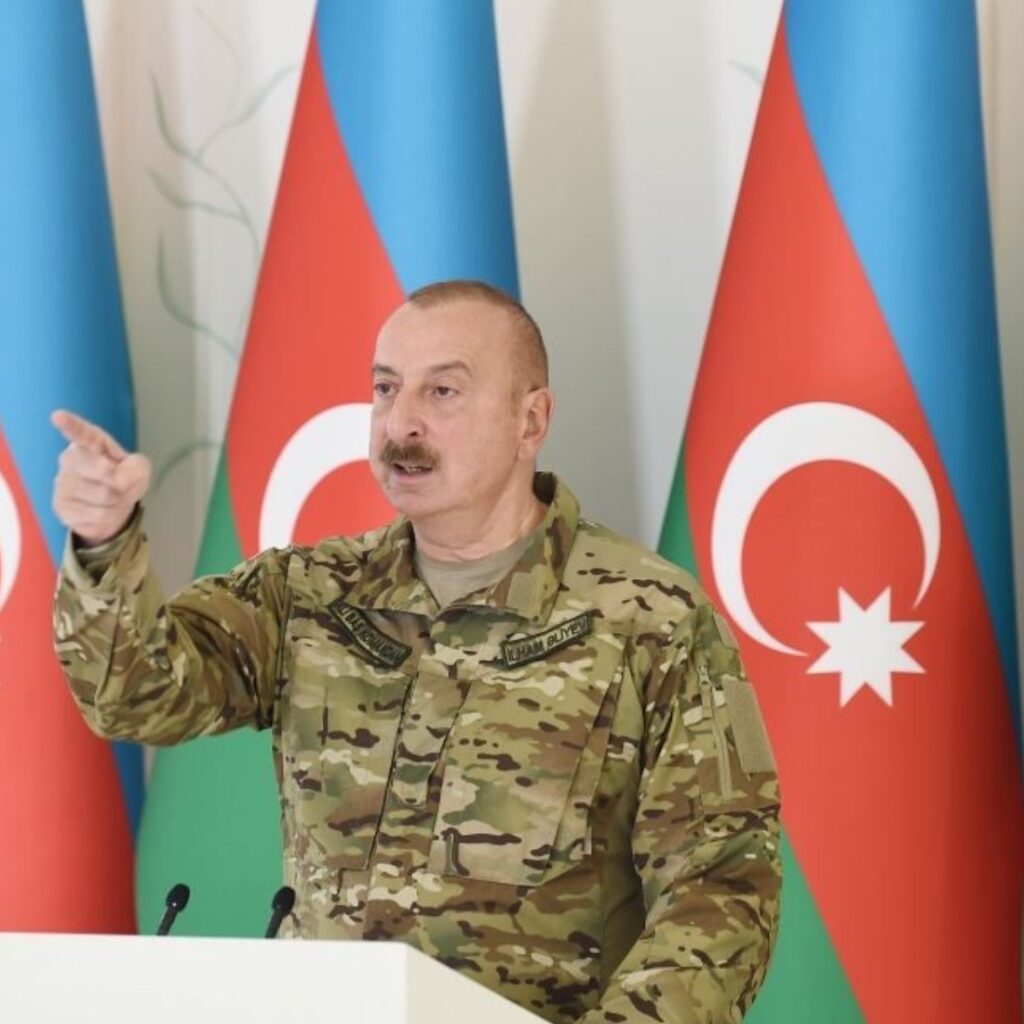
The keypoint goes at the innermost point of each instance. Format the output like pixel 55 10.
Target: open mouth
pixel 408 461
pixel 410 469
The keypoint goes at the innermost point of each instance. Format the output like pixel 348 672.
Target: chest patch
pixel 531 648
pixel 379 646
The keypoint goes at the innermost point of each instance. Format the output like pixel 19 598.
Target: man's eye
pixel 383 388
pixel 443 391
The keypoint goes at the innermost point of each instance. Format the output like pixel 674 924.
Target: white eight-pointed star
pixel 865 647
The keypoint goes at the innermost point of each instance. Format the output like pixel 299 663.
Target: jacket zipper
pixel 707 699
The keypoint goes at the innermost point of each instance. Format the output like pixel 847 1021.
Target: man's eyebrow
pixel 454 364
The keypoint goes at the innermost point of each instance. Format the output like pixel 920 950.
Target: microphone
pixel 176 902
pixel 282 903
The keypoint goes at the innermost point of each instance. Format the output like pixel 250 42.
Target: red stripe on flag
pixel 66 860
pixel 325 287
pixel 907 818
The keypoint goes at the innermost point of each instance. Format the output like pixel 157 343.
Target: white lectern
pixel 115 979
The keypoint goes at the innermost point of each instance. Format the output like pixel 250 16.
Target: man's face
pixel 447 426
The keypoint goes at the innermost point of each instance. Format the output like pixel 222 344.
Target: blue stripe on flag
pixel 415 91
pixel 64 336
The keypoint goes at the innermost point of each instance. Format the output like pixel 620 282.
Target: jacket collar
pixel 389 582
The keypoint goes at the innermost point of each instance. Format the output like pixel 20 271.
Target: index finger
pixel 80 431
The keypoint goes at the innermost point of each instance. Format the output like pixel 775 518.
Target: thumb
pixel 133 474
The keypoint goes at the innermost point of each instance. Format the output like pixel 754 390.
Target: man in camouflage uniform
pixel 555 781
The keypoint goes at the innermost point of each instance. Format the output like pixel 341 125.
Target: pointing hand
pixel 98 483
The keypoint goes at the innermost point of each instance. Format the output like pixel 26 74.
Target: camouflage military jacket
pixel 558 786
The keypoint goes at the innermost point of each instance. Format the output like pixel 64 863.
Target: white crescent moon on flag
pixel 794 437
pixel 331 439
pixel 10 541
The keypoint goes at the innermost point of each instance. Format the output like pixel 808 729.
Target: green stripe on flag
pixel 676 543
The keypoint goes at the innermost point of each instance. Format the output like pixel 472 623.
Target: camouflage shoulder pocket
pixel 735 767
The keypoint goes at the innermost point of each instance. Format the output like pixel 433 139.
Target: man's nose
pixel 404 417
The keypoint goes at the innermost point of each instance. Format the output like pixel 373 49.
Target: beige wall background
pixel 627 124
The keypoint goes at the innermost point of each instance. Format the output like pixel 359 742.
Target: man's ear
pixel 538 408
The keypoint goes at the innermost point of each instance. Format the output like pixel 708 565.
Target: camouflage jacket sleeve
pixel 160 671
pixel 705 838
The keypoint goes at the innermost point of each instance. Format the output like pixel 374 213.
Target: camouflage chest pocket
pixel 522 765
pixel 339 728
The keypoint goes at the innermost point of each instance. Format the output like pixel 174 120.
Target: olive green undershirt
pixel 448 581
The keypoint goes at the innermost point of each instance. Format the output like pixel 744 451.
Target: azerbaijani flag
pixel 843 485
pixel 395 176
pixel 67 799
